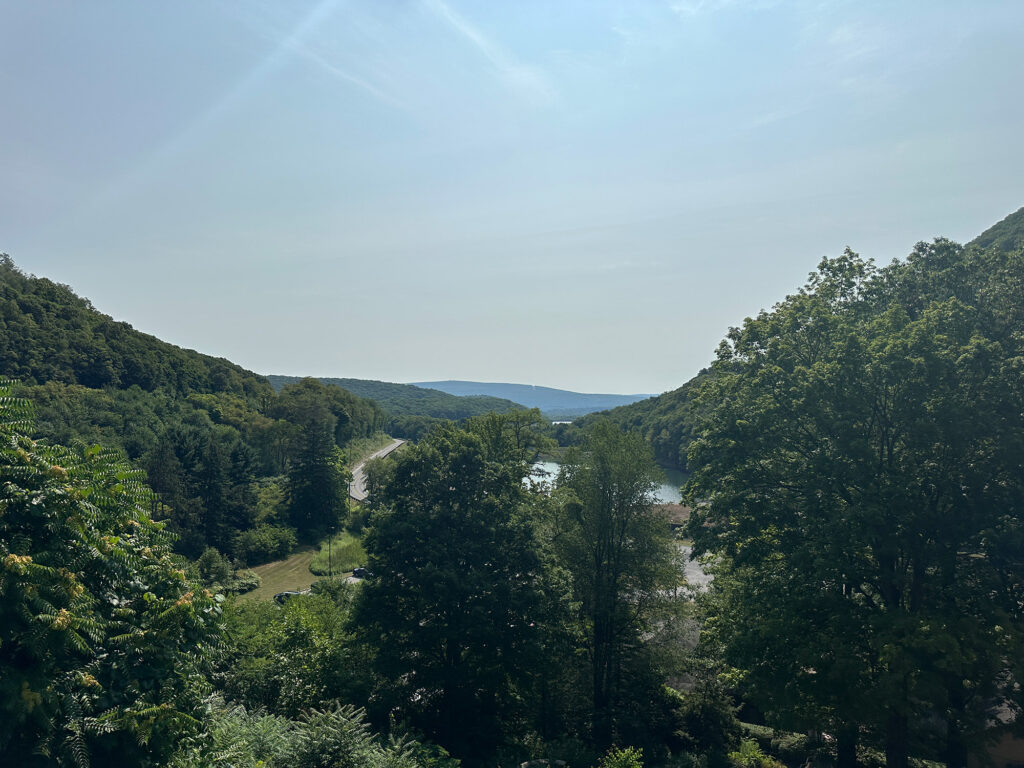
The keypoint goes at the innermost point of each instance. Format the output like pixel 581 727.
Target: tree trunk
pixel 896 740
pixel 601 724
pixel 846 747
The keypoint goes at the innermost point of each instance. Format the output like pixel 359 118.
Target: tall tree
pixel 458 591
pixel 622 557
pixel 861 455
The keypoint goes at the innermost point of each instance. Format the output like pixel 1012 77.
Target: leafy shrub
pixel 264 543
pixel 245 581
pixel 749 755
pixel 104 641
pixel 630 757
pixel 340 738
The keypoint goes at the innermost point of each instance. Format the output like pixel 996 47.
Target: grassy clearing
pixel 363 447
pixel 290 574
pixel 346 553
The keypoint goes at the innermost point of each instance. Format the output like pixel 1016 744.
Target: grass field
pixel 346 554
pixel 291 574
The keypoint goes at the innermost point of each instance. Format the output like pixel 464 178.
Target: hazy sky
pixel 577 194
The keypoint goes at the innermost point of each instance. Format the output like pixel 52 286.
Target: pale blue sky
pixel 575 194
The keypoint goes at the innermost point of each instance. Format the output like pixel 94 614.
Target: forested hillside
pixel 1007 235
pixel 665 422
pixel 411 410
pixel 217 442
pixel 47 333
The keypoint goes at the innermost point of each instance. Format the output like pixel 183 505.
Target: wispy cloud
pixel 691 8
pixel 298 41
pixel 528 81
pixel 339 73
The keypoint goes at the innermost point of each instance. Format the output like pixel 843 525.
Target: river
pixel 667 492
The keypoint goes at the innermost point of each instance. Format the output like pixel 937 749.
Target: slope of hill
pixel 555 403
pixel 407 402
pixel 1007 235
pixel 47 333
pixel 666 422
pixel 214 438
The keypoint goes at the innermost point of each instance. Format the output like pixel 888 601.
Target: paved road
pixel 357 488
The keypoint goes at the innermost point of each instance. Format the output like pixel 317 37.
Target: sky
pixel 583 195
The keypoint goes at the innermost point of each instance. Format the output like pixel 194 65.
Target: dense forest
pixel 856 465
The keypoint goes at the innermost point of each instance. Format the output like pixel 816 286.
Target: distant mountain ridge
pixel 555 403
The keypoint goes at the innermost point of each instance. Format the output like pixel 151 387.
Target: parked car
pixel 361 573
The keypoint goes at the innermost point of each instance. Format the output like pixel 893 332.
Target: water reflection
pixel 667 492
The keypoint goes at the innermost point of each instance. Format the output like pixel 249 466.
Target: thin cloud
pixel 332 69
pixel 691 8
pixel 297 42
pixel 526 80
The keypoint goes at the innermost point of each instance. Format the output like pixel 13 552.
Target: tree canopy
pixel 859 474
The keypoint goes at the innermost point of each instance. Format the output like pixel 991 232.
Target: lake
pixel 667 492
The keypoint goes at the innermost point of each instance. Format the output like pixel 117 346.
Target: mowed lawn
pixel 292 574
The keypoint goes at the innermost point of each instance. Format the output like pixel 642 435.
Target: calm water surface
pixel 667 492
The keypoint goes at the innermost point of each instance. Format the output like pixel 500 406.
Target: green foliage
pixel 208 433
pixel 53 335
pixel 264 543
pixel 244 581
pixel 290 658
pixel 344 553
pixel 749 755
pixel 667 423
pixel 705 719
pixel 214 568
pixel 401 401
pixel 452 612
pixel 859 477
pixel 334 737
pixel 317 486
pixel 517 436
pixel 1006 235
pixel 102 637
pixel 630 757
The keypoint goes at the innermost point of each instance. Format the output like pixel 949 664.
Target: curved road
pixel 357 488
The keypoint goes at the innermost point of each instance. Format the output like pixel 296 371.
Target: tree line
pixel 502 619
